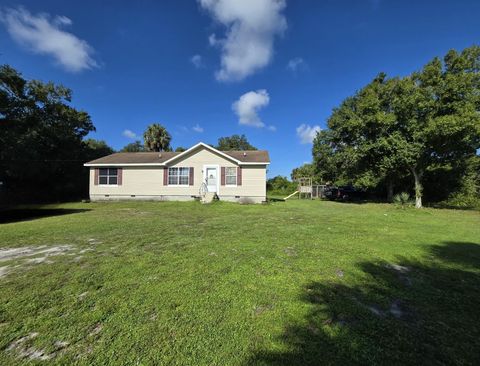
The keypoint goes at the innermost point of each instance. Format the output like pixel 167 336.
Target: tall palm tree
pixel 157 138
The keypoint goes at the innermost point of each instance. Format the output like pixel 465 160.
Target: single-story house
pixel 195 173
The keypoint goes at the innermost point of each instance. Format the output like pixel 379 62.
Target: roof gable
pixel 199 146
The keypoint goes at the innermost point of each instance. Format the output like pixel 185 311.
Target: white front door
pixel 211 178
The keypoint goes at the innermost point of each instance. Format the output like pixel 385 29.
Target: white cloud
pixel 42 34
pixel 307 133
pixel 251 26
pixel 130 134
pixel 296 64
pixel 248 105
pixel 197 61
pixel 272 128
pixel 197 128
pixel 213 41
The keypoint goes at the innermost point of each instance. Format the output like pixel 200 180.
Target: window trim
pixel 178 177
pixel 231 175
pixel 108 176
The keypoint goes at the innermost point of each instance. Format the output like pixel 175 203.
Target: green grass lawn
pixel 290 283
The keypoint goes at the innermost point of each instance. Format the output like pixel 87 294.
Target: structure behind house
pixel 308 189
pixel 304 187
pixel 318 190
pixel 201 172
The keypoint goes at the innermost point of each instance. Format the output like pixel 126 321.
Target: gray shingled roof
pixel 250 156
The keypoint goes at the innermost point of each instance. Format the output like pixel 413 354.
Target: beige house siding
pixel 146 182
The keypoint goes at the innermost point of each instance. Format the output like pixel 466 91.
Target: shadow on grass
pixel 408 312
pixel 25 214
pixel 274 199
pixel 443 205
pixel 357 201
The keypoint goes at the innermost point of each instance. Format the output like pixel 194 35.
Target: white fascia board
pixel 153 164
pixel 250 163
pixel 124 164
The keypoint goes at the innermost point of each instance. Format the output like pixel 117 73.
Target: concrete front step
pixel 209 196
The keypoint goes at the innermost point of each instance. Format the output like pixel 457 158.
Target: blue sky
pixel 270 69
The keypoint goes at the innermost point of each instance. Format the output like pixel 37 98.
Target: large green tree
pixel 359 147
pixel 41 139
pixel 234 142
pixel 438 115
pixel 325 156
pixel 468 192
pixel 305 170
pixel 133 147
pixel 97 148
pixel 157 138
pixel 406 126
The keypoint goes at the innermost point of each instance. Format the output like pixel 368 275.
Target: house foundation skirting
pixel 127 197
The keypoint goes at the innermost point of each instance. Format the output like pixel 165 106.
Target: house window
pixel 108 176
pixel 178 176
pixel 231 176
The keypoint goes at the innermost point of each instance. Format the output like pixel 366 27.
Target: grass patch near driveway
pixel 288 283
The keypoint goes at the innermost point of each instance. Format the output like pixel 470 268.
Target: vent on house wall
pixel 107 195
pixel 132 195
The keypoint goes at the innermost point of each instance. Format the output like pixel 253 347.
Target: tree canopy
pixel 157 138
pixel 413 126
pixel 99 147
pixel 306 170
pixel 41 137
pixel 280 185
pixel 234 142
pixel 136 146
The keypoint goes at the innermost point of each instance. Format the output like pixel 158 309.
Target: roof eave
pixel 255 163
pixel 173 158
pixel 123 164
pixel 159 164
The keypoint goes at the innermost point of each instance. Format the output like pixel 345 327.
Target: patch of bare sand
pixel 4 271
pixel 30 256
pixel 23 349
pixel 43 250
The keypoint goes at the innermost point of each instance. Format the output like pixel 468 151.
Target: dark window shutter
pixel 119 176
pixel 95 179
pixel 165 176
pixel 239 176
pixel 222 176
pixel 190 180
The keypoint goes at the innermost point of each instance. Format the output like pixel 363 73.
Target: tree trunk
pixel 418 188
pixel 389 190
